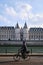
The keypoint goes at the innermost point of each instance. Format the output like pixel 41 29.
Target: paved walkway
pixel 11 54
pixel 35 58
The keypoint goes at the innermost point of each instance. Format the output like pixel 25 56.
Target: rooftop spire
pixel 25 25
pixel 17 25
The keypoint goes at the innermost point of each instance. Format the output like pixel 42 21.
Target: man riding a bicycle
pixel 23 50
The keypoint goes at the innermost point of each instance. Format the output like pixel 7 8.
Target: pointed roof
pixel 17 25
pixel 25 25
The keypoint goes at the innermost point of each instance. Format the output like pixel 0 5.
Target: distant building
pixel 36 34
pixel 25 32
pixel 17 33
pixel 7 33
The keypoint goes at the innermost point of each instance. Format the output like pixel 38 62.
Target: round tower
pixel 17 32
pixel 25 32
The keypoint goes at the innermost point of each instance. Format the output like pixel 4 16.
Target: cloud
pixel 25 13
pixel 36 20
pixel 10 11
pixel 20 10
pixel 4 19
pixel 23 10
pixel 36 17
pixel 23 6
pixel 39 17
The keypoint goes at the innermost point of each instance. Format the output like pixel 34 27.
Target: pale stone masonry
pixel 36 34
pixel 7 33
pixel 17 33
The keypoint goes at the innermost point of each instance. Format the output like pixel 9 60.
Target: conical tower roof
pixel 25 25
pixel 17 25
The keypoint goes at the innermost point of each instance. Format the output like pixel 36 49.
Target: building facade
pixel 17 33
pixel 25 32
pixel 36 34
pixel 7 33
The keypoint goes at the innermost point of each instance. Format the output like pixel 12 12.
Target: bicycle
pixel 20 56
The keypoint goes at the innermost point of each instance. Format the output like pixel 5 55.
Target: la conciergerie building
pixel 17 33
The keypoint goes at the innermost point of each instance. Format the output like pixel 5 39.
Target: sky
pixel 21 11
